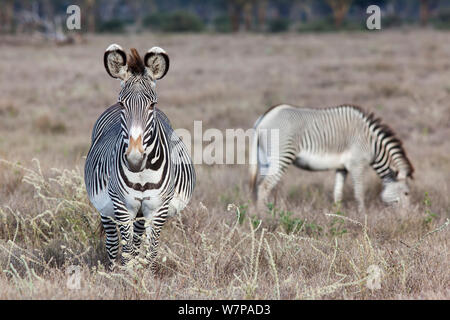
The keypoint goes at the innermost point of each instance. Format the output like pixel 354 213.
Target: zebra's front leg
pixel 270 179
pixel 357 173
pixel 154 224
pixel 124 221
pixel 341 174
pixel 138 231
pixel 112 240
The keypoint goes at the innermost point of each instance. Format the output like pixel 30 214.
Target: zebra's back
pixel 331 130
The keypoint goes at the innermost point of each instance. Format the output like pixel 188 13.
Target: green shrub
pixel 112 26
pixel 337 225
pixel 391 21
pixel 222 24
pixel 442 20
pixel 328 25
pixel 241 213
pixel 429 215
pixel 289 223
pixel 279 25
pixel 182 21
pixel 155 20
pixel 179 21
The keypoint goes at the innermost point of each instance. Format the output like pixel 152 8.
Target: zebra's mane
pixel 375 123
pixel 135 63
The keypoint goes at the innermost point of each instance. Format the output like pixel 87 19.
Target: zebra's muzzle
pixel 135 154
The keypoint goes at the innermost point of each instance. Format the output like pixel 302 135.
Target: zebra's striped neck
pixel 389 158
pixel 138 89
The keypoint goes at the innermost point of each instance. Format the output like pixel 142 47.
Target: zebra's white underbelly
pixel 102 202
pixel 316 162
pixel 147 201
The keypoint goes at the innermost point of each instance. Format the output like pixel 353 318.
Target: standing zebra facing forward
pixel 343 138
pixel 136 166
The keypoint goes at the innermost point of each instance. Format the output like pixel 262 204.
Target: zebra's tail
pixel 253 164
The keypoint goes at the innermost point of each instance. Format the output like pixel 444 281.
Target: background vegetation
pixel 113 16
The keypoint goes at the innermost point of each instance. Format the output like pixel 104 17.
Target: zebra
pixel 137 171
pixel 343 138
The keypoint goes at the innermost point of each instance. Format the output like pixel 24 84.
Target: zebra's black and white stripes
pixel 137 167
pixel 342 138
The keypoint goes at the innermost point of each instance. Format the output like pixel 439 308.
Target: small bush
pixel 155 20
pixel 44 124
pixel 179 21
pixel 288 223
pixel 429 215
pixel 222 24
pixel 112 26
pixel 391 21
pixel 328 25
pixel 279 25
pixel 8 109
pixel 442 20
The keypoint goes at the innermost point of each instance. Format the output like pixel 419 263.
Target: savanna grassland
pixel 302 246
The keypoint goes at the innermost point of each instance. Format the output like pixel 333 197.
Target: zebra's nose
pixel 135 153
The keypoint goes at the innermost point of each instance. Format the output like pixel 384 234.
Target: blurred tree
pixel 340 9
pixel 261 7
pixel 90 9
pixel 425 8
pixel 48 10
pixel 305 7
pixel 182 21
pixel 7 16
pixel 248 14
pixel 140 9
pixel 245 9
pixel 235 10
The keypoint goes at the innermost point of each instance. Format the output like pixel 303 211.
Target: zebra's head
pixel 137 96
pixel 396 191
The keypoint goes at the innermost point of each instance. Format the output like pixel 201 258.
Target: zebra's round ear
pixel 115 61
pixel 157 62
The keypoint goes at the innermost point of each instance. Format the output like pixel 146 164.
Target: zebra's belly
pixel 147 201
pixel 319 162
pixel 102 202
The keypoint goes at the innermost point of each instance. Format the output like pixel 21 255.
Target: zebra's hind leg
pixel 112 240
pixel 341 174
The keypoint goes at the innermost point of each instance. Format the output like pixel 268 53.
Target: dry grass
pixel 303 247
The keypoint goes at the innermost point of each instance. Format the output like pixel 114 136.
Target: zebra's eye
pixel 406 193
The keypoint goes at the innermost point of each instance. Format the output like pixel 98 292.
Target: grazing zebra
pixel 343 138
pixel 137 167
